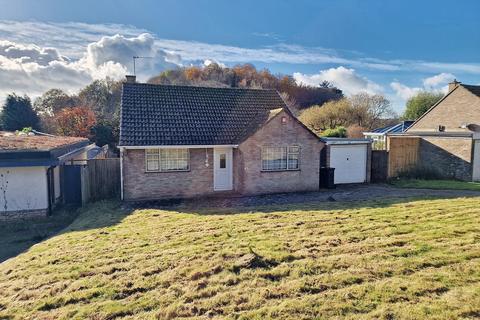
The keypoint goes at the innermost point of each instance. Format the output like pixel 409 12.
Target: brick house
pixel 447 134
pixel 185 141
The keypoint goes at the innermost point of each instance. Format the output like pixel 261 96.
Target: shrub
pixel 338 132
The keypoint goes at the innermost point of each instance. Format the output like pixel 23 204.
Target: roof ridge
pixel 196 86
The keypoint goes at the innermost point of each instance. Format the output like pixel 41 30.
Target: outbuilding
pixel 351 159
pixel 32 171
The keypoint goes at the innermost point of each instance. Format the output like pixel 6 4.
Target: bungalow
pixel 185 141
pixel 31 171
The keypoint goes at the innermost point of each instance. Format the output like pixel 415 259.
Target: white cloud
pixel 403 91
pixel 437 81
pixel 343 78
pixel 30 69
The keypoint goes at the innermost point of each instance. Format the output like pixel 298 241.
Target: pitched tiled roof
pixel 473 89
pixel 185 115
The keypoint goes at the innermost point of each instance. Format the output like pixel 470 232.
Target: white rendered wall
pixel 23 188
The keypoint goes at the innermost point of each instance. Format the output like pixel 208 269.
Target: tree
pixel 420 103
pixel 103 98
pixel 76 122
pixel 370 111
pixel 247 76
pixel 105 133
pixel 18 113
pixel 328 116
pixel 53 101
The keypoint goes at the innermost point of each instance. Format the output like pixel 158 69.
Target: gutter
pixel 195 146
pixel 345 141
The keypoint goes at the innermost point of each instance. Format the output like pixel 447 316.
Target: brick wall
pixel 139 184
pixel 450 156
pixel 249 175
pixel 460 107
pixel 22 214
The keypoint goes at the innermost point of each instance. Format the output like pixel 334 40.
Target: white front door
pixel 222 169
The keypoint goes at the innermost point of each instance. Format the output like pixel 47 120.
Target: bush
pixel 338 132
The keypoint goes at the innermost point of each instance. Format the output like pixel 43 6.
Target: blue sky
pixel 395 48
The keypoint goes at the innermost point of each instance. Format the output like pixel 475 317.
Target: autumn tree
pixel 361 110
pixel 17 113
pixel 420 103
pixel 75 121
pixel 247 76
pixel 330 115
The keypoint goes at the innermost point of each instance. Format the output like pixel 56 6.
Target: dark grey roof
pixel 186 115
pixel 473 89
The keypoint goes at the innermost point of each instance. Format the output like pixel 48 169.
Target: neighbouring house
pixel 32 171
pixel 185 141
pixel 445 139
pixel 379 135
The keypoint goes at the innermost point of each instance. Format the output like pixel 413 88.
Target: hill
pixel 403 259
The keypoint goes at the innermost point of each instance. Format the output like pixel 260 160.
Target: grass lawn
pixel 19 235
pixel 436 184
pixel 410 259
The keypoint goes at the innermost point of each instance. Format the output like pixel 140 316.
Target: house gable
pixel 458 108
pixel 282 130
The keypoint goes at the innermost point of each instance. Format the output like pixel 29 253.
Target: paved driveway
pixel 341 193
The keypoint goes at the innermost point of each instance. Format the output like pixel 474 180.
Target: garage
pixel 350 159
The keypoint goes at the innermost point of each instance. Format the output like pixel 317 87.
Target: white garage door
pixel 350 163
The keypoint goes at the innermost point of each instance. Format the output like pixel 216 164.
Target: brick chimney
pixel 131 79
pixel 453 85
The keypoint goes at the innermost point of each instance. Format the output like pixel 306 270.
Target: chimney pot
pixel 453 85
pixel 131 79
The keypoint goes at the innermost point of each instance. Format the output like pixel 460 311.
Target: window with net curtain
pixel 280 158
pixel 166 160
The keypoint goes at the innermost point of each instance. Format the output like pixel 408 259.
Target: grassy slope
pixel 436 184
pixel 360 261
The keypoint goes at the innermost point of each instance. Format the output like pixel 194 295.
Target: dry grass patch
pixel 385 260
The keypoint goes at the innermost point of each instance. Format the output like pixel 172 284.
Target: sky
pixel 393 48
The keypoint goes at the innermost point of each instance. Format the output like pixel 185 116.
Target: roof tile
pixel 186 115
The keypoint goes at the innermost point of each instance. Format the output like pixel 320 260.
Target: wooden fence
pixel 403 154
pixel 379 166
pixel 101 179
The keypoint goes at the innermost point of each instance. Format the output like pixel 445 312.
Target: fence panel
pixel 102 179
pixel 379 166
pixel 402 154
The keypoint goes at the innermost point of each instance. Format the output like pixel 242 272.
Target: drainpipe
pixel 49 191
pixel 121 173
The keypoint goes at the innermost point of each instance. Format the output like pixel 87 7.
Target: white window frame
pixel 161 156
pixel 288 152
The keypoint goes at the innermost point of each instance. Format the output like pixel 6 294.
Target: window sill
pixel 280 170
pixel 171 171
